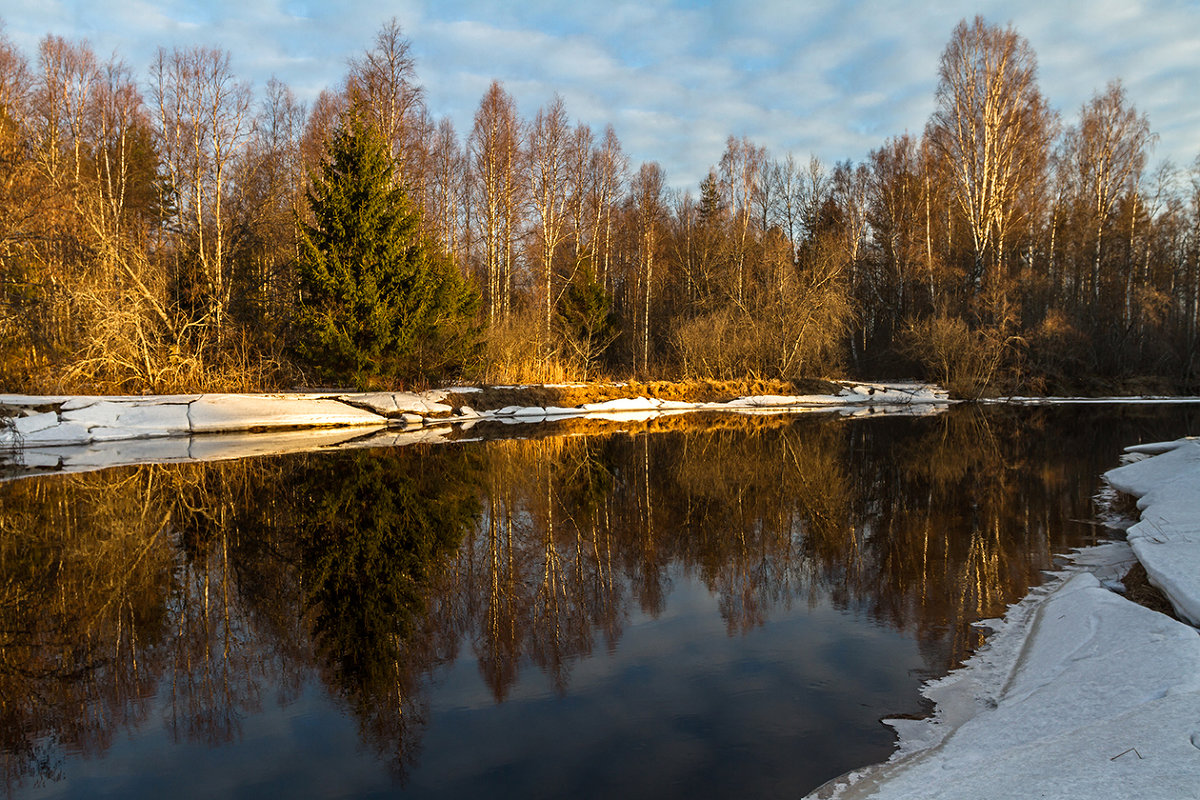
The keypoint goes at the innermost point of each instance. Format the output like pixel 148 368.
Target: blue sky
pixel 832 79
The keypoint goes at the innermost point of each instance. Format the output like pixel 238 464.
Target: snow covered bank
pixel 53 421
pixel 1166 481
pixel 852 398
pixel 56 421
pixel 66 433
pixel 62 433
pixel 1080 692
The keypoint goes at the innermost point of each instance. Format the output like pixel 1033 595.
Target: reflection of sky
pixel 678 709
pixel 681 709
pixel 676 78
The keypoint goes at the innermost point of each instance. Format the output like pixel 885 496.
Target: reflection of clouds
pixel 831 79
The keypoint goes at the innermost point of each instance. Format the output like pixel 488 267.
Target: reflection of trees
pixel 542 560
pixel 214 586
pixel 221 587
pixel 84 570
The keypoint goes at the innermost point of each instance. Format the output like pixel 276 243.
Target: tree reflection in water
pixel 211 590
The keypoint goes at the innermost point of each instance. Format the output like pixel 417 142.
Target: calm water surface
pixel 710 608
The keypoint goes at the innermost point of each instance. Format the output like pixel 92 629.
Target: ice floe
pixel 1167 537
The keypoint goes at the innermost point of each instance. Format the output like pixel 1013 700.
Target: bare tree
pixel 203 121
pixel 269 184
pixel 495 152
pixel 785 208
pixel 1105 156
pixel 991 130
pixel 580 180
pixel 609 168
pixel 548 142
pixel 814 192
pixel 741 176
pixel 382 82
pixel 448 185
pixel 650 207
pixel 69 79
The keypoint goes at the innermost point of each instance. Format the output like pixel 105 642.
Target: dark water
pixel 694 609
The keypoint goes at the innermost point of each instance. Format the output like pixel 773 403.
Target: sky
pixel 675 79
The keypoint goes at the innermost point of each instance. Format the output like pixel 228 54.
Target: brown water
pixel 725 608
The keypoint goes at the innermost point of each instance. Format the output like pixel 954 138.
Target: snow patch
pixel 1053 707
pixel 1167 537
pixel 226 412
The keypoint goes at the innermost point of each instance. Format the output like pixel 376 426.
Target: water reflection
pixel 205 593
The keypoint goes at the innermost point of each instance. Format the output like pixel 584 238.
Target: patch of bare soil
pixel 569 396
pixel 1139 589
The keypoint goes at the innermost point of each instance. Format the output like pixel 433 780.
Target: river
pixel 699 606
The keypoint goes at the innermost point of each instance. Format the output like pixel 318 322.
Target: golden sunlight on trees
pixel 992 131
pixel 377 300
pixel 155 243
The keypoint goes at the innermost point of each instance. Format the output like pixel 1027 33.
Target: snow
pixel 902 398
pixel 224 412
pixel 68 432
pixel 81 420
pixel 1167 538
pixel 1079 692
pixel 392 404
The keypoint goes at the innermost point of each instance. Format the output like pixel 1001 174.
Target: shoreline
pixel 1079 692
pixel 42 430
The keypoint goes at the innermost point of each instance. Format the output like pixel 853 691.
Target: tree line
pixel 166 233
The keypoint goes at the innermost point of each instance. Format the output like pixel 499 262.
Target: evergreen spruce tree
pixel 586 321
pixel 379 303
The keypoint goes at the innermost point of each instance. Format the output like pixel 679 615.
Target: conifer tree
pixel 378 302
pixel 586 320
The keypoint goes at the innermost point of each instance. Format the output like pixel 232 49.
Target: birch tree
pixel 495 153
pixel 991 130
pixel 203 122
pixel 649 207
pixel 1106 154
pixel 548 143
pixel 741 175
pixel 382 82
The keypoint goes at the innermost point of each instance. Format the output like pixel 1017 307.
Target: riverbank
pixel 1079 691
pixel 47 433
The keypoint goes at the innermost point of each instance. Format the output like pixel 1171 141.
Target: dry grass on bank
pixel 1139 589
pixel 572 395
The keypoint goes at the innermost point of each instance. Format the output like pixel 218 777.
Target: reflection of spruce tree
pixel 375 529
